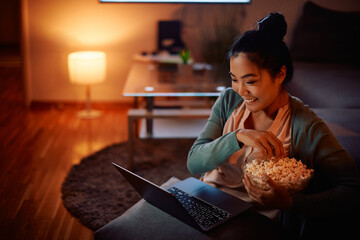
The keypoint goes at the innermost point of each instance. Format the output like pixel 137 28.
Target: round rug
pixel 95 192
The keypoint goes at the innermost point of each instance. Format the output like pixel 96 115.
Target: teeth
pixel 250 100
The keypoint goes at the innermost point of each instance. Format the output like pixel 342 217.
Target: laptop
pixel 192 201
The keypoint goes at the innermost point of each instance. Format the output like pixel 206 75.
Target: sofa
pixel 325 49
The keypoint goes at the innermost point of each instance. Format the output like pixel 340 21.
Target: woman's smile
pixel 249 100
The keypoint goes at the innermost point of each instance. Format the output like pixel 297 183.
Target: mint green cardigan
pixel 336 183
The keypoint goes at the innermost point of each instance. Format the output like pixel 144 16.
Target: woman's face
pixel 256 86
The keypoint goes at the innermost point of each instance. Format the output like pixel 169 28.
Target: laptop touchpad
pixel 210 195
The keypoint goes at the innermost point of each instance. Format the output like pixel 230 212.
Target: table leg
pixel 131 143
pixel 136 127
pixel 136 102
pixel 149 122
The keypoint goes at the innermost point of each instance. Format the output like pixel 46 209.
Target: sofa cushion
pixel 344 124
pixel 326 85
pixel 324 35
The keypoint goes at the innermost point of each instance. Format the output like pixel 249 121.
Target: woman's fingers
pixel 266 147
pixel 275 145
pixel 253 192
pixel 272 146
pixel 266 142
pixel 276 196
pixel 249 188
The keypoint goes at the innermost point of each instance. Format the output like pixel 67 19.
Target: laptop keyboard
pixel 203 213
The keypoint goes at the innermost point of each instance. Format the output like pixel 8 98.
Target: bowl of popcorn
pixel 287 172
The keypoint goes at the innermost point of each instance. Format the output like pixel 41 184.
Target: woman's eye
pixel 234 80
pixel 250 82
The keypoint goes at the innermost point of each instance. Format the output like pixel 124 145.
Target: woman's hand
pixel 276 197
pixel 266 142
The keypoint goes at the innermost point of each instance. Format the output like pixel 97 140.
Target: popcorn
pixel 287 172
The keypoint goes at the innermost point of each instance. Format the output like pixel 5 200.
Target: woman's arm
pixel 212 148
pixel 335 187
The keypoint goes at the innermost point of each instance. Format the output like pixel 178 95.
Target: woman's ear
pixel 281 75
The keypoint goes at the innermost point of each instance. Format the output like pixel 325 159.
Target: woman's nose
pixel 242 90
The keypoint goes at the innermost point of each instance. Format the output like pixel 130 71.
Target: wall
pixel 53 29
pixel 56 28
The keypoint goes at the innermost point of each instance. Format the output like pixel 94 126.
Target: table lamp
pixel 87 68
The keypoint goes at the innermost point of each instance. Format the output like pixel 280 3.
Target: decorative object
pixel 95 192
pixel 185 56
pixel 87 68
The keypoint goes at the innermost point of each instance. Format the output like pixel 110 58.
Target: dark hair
pixel 265 46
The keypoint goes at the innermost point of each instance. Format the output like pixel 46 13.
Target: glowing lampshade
pixel 87 68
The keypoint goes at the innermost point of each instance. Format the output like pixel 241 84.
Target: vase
pixel 184 71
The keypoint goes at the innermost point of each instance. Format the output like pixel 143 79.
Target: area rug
pixel 95 193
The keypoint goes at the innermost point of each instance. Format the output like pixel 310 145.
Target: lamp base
pixel 89 114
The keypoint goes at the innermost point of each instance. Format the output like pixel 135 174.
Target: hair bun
pixel 273 26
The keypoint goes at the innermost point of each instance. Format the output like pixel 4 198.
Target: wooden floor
pixel 38 145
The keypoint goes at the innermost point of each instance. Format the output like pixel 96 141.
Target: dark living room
pixel 56 176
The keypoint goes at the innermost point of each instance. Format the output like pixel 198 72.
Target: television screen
pixel 178 1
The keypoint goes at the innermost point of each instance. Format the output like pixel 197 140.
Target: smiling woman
pixel 258 119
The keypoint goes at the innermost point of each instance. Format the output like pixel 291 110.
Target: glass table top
pixel 151 79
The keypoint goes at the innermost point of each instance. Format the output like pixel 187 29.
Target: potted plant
pixel 209 31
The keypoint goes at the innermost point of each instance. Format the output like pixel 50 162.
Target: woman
pixel 257 118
